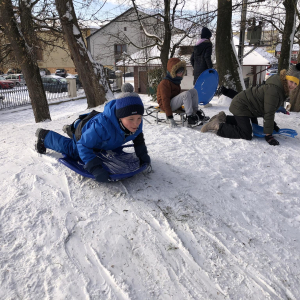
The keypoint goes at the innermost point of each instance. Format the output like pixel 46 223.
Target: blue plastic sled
pixel 118 163
pixel 206 85
pixel 259 131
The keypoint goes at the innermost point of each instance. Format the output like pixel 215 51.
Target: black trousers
pixel 237 128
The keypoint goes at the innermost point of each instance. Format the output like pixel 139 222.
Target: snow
pixel 258 57
pixel 216 219
pixel 75 30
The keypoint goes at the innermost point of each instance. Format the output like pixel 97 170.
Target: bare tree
pixel 175 20
pixel 281 16
pixel 22 38
pixel 288 34
pixel 227 63
pixel 91 73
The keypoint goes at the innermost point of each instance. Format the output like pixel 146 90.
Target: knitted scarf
pixel 176 80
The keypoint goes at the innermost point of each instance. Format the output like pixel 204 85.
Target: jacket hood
pixel 174 64
pixel 280 81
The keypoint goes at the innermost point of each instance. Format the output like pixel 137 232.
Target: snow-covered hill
pixel 216 219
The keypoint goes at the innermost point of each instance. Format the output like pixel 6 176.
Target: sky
pixel 215 219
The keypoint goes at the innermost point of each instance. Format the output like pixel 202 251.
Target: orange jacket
pixel 166 89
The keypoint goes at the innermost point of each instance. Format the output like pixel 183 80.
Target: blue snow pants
pixel 61 144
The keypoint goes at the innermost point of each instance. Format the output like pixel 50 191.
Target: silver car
pixel 18 79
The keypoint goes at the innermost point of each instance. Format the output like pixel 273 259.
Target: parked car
pixel 61 72
pixel 14 71
pixel 18 79
pixel 78 82
pixel 270 73
pixel 55 84
pixel 6 84
pixel 110 73
pixel 44 71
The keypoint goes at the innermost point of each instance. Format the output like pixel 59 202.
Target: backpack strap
pixel 84 119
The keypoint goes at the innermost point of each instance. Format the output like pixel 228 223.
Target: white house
pixel 123 34
pixel 255 64
pixel 141 64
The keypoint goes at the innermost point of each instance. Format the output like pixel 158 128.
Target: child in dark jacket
pixel 120 122
pixel 259 101
pixel 201 57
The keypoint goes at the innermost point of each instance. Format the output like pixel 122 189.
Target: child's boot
pixel 39 145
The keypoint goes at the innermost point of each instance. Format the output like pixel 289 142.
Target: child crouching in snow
pixel 259 101
pixel 170 98
pixel 120 122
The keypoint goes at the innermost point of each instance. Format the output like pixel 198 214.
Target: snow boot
pixel 211 126
pixel 193 120
pixel 221 116
pixel 39 145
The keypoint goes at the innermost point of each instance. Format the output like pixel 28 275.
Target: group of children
pixel 121 120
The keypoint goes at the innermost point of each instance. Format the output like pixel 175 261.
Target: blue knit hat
pixel 129 104
pixel 205 33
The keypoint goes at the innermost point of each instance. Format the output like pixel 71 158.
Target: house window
pixel 125 28
pixel 120 48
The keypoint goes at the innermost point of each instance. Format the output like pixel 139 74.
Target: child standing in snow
pixel 170 98
pixel 120 122
pixel 259 101
pixel 201 57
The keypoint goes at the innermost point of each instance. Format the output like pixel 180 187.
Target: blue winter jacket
pixel 103 132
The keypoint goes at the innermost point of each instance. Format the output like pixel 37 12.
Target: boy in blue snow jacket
pixel 120 122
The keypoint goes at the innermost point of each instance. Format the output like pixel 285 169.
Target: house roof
pixel 258 57
pixel 113 20
pixel 120 16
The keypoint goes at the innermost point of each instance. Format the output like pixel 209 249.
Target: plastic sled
pixel 259 131
pixel 118 163
pixel 206 85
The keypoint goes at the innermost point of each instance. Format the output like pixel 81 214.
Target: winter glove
pixel 142 154
pixel 276 128
pixel 271 140
pixel 94 167
pixel 172 123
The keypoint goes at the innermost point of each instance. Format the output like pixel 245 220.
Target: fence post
pixel 72 87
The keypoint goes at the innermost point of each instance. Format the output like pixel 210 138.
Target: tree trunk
pixel 227 64
pixel 165 49
pixel 23 49
pixel 288 34
pixel 91 73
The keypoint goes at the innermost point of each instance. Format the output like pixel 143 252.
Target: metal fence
pixel 19 96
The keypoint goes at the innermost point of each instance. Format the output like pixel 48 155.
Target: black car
pixel 55 84
pixel 61 72
pixel 110 73
pixel 78 82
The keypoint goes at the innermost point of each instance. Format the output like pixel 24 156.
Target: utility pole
pixel 242 32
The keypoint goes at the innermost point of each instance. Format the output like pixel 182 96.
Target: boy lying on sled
pixel 120 122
